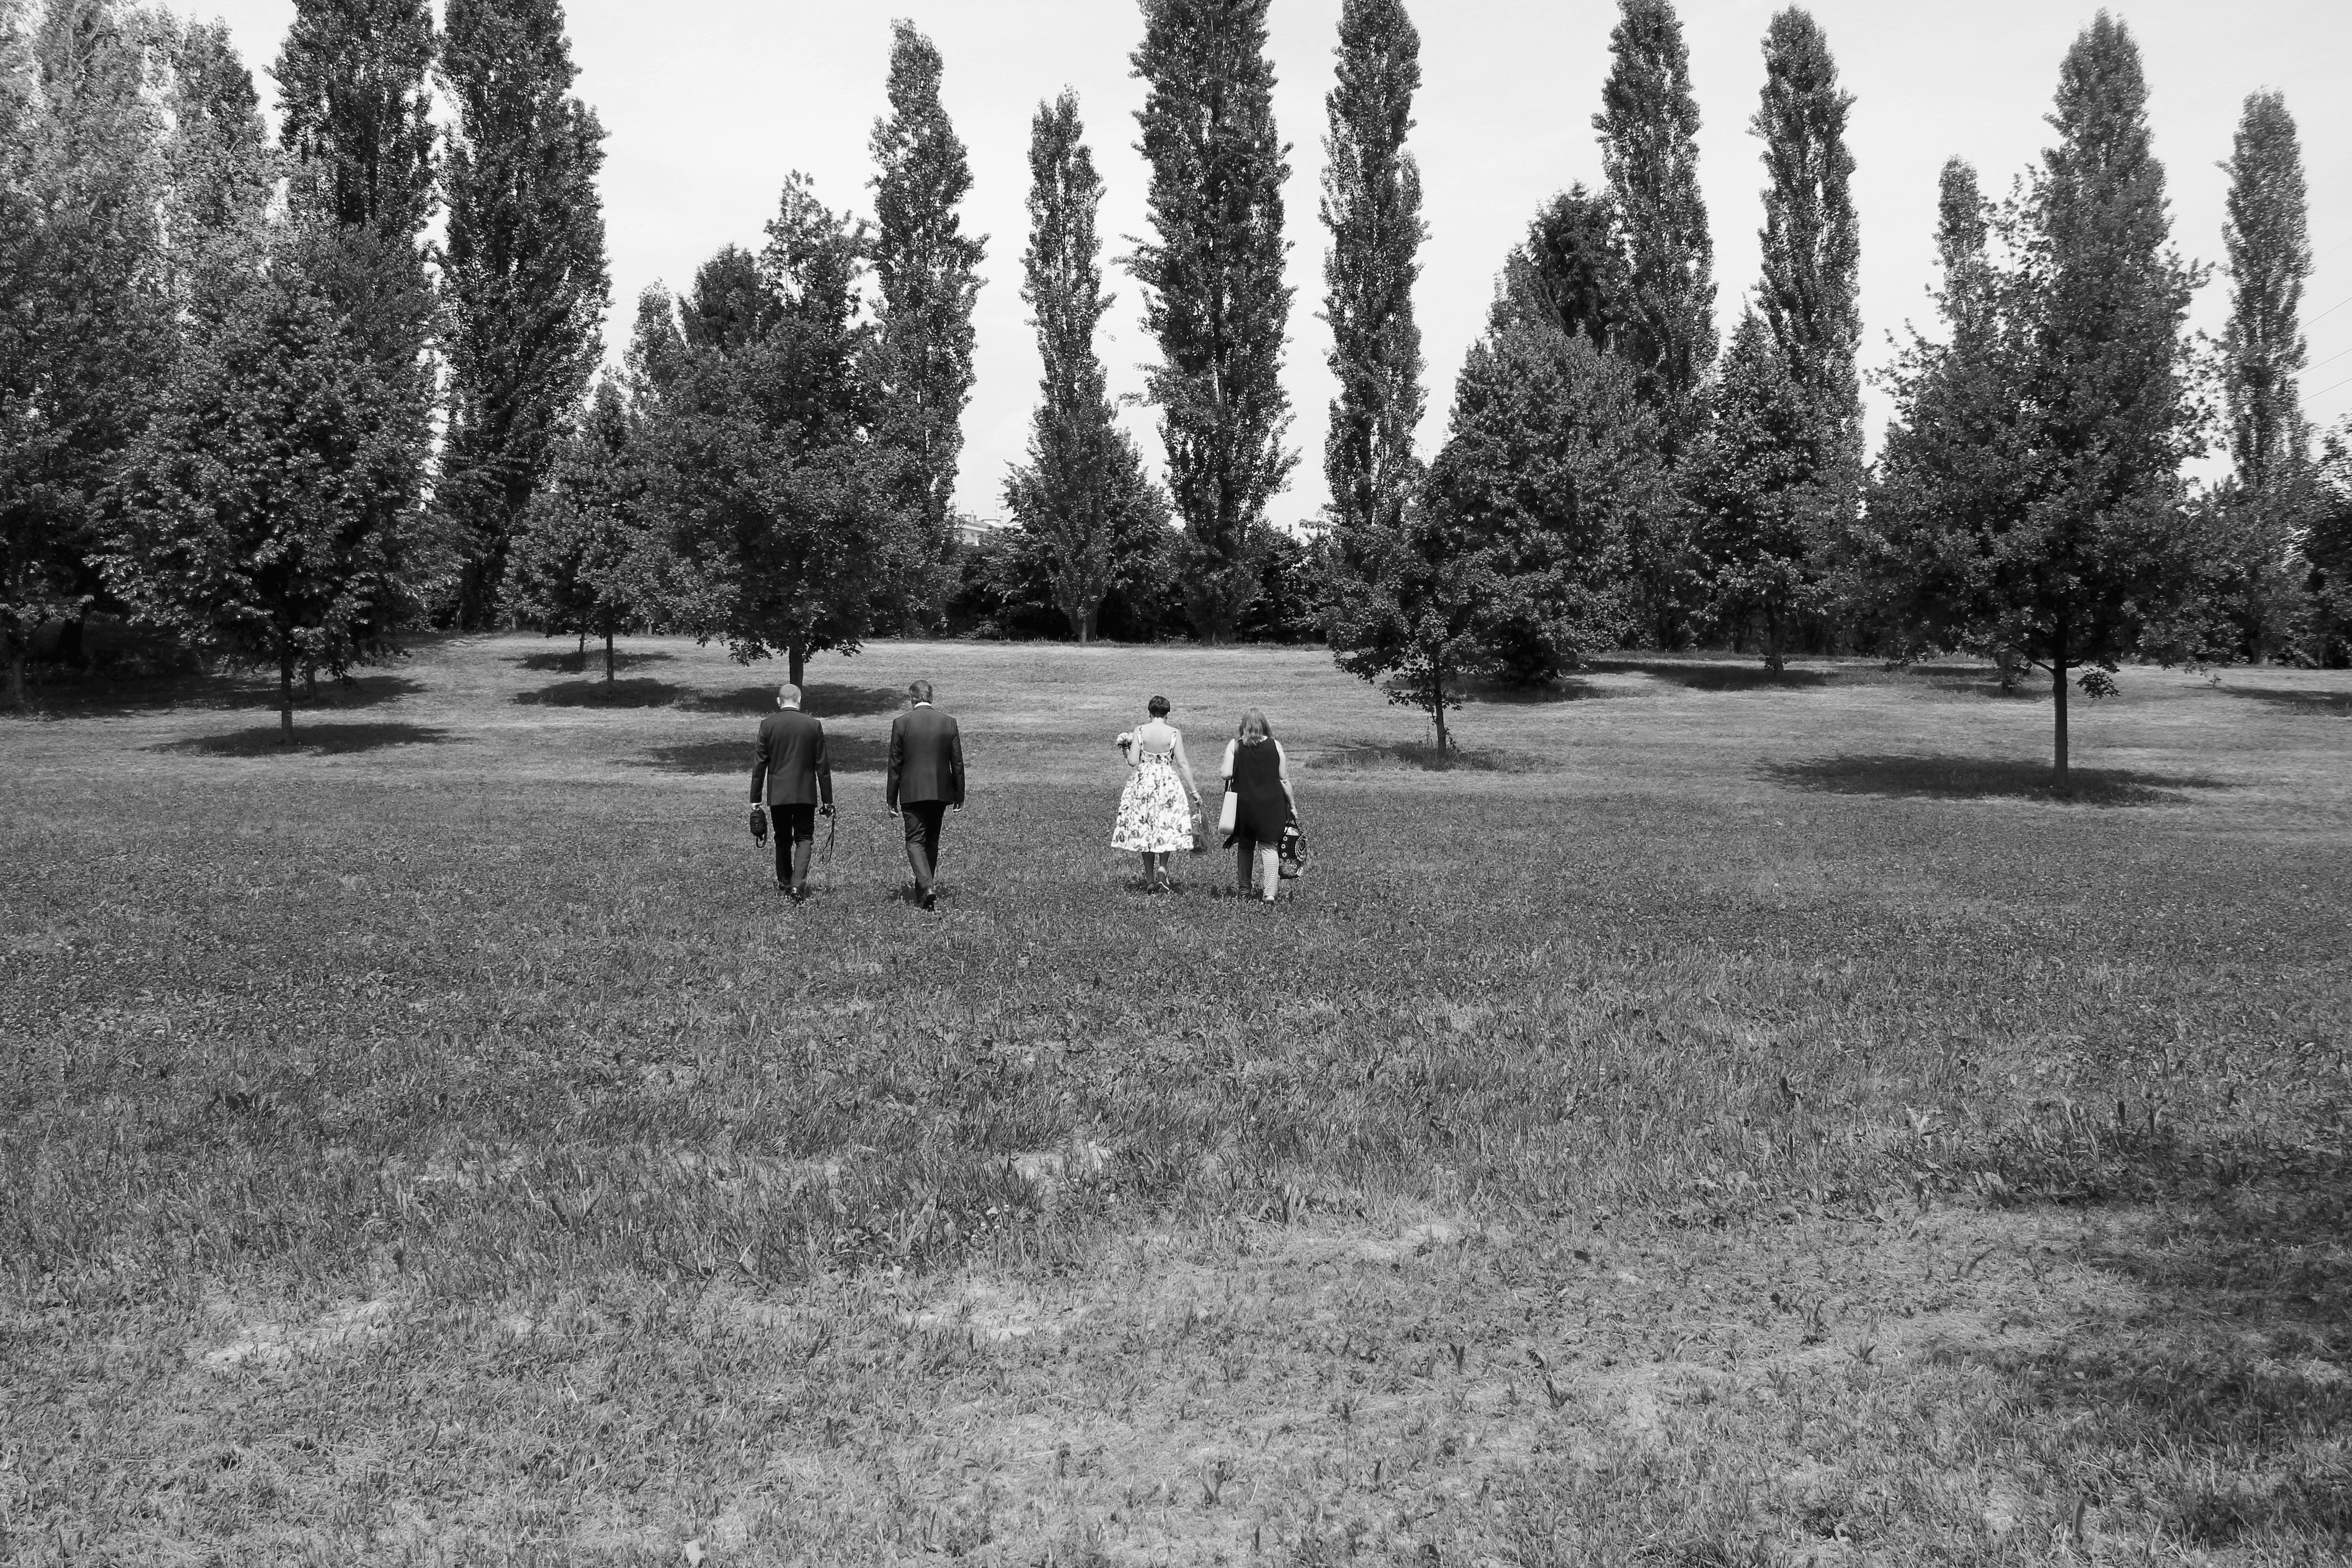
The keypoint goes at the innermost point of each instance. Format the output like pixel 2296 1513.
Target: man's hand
pixel 826 810
pixel 891 809
pixel 957 807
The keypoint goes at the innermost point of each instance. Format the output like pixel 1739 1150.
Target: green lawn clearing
pixel 1726 1120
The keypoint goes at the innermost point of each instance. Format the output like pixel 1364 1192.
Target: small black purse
pixel 759 825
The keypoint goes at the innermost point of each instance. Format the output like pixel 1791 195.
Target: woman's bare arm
pixel 1183 763
pixel 1282 772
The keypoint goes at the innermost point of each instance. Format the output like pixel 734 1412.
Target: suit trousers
pixel 923 818
pixel 793 824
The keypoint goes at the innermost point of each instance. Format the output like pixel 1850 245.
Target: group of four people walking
pixel 1160 811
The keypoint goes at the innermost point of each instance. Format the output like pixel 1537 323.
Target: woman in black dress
pixel 1258 774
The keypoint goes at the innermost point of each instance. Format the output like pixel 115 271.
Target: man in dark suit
pixel 797 774
pixel 926 781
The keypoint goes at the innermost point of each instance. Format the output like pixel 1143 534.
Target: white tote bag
pixel 1229 812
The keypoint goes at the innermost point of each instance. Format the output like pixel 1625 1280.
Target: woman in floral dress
pixel 1157 810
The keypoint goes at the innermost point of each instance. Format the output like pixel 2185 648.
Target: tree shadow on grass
pixel 848 755
pixel 1978 778
pixel 1372 756
pixel 1568 689
pixel 569 661
pixel 2336 704
pixel 101 696
pixel 2227 1367
pixel 824 699
pixel 316 740
pixel 601 693
pixel 1695 676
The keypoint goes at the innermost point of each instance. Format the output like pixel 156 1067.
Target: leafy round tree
pixel 585 557
pixel 270 508
pixel 787 517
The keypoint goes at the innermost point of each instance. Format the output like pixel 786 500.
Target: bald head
pixel 788 695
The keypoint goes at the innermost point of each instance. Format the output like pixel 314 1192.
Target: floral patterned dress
pixel 1155 815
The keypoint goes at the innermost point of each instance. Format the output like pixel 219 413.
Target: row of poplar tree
pixel 248 397
pixel 241 397
pixel 247 400
pixel 1607 479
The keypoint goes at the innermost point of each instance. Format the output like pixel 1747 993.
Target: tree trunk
pixel 1437 707
pixel 608 653
pixel 286 696
pixel 1772 641
pixel 2058 699
pixel 16 677
pixel 796 662
pixel 73 649
pixel 310 683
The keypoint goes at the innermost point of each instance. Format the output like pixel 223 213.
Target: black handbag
pixel 759 825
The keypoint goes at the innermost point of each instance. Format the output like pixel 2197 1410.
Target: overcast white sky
pixel 710 103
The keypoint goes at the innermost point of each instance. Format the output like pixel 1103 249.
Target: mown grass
pixel 1731 1125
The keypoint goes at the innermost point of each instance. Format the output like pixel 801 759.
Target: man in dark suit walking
pixel 797 774
pixel 926 781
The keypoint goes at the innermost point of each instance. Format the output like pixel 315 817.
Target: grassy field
pixel 1726 1121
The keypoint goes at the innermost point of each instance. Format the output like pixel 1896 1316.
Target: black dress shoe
pixel 930 900
pixel 800 895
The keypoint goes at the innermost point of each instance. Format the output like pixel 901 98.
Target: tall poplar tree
pixel 1779 481
pixel 84 331
pixel 2268 241
pixel 927 270
pixel 1213 291
pixel 1812 249
pixel 524 276
pixel 1082 494
pixel 356 111
pixel 1649 150
pixel 1371 205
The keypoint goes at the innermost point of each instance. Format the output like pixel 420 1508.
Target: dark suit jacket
pixel 792 761
pixel 926 758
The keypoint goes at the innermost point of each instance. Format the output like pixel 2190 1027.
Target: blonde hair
pixel 1254 727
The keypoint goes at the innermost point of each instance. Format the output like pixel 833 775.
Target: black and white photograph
pixel 1134 783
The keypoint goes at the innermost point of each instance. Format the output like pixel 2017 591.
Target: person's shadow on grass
pixel 1982 778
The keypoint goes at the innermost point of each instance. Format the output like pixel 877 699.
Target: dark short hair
pixel 1157 708
pixel 920 691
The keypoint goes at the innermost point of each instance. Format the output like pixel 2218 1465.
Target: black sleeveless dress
pixel 1264 810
